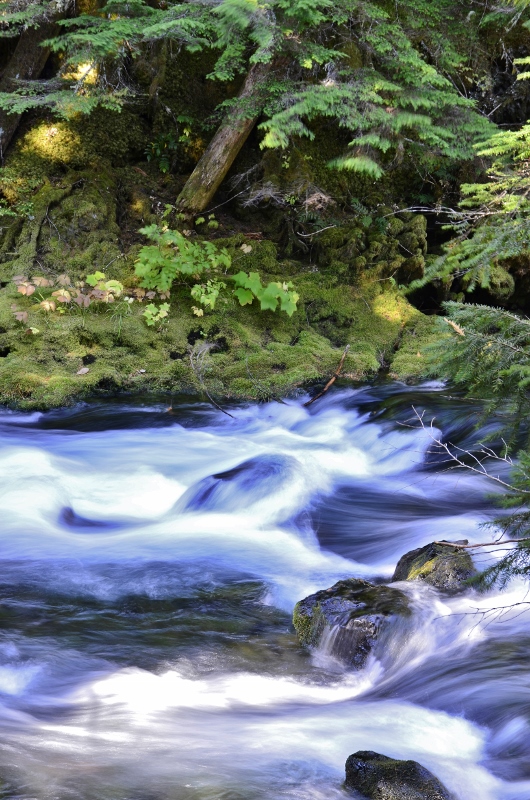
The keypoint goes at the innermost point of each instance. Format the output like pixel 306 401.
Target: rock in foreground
pixel 441 565
pixel 348 617
pixel 382 778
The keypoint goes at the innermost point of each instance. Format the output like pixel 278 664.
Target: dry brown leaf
pixel 455 327
pixel 26 289
pixel 62 295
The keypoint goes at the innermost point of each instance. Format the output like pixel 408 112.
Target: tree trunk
pixel 26 63
pixel 223 149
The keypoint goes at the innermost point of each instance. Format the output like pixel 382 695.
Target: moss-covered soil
pixel 77 193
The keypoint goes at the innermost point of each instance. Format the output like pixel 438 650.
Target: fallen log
pixel 228 140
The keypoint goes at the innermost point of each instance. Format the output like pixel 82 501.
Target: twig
pixel 484 544
pixel 332 379
pixel 197 367
pixel 308 235
pixel 480 469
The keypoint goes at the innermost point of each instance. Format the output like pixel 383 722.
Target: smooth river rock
pixel 441 565
pixel 379 777
pixel 347 619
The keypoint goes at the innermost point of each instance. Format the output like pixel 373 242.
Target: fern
pixel 400 97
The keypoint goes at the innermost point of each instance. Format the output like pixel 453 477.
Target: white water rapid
pixel 149 566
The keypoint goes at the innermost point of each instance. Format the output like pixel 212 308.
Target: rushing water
pixel 150 563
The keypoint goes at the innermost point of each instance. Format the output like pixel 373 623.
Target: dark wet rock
pixel 382 778
pixel 348 617
pixel 444 566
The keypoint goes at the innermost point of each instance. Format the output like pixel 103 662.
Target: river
pixel 150 562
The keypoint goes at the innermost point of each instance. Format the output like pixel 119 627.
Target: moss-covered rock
pixel 410 361
pixel 440 565
pixel 348 617
pixel 383 778
pixel 389 246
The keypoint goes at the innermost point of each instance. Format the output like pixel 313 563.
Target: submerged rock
pixel 348 618
pixel 382 778
pixel 441 565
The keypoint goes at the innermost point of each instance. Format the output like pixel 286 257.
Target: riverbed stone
pixel 383 778
pixel 348 618
pixel 443 566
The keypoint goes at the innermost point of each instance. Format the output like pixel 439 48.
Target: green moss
pixel 419 568
pixel 411 362
pixel 303 626
pixel 257 355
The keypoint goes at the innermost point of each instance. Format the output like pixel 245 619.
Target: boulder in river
pixel 441 565
pixel 379 777
pixel 348 618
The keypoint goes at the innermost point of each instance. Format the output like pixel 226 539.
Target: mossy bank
pixel 255 354
pixel 74 205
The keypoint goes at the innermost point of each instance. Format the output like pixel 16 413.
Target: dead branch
pixel 484 544
pixel 486 453
pixel 197 359
pixel 332 379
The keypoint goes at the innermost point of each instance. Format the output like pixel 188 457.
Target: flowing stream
pixel 150 563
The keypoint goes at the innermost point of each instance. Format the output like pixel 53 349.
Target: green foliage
pixel 385 74
pixel 154 315
pixel 394 100
pixel 176 255
pixel 93 45
pixel 172 255
pixel 207 293
pixel 249 286
pixel 486 353
pixel 15 17
pixel 493 225
pixel 162 150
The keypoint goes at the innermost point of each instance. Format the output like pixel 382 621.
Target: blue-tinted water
pixel 150 563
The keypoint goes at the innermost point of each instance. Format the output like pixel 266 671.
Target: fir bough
pixel 486 353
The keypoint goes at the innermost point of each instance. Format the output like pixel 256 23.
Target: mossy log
pixel 222 151
pixel 26 63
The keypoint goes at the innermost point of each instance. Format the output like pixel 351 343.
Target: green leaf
pixel 244 296
pixel 95 278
